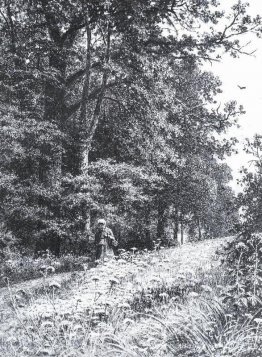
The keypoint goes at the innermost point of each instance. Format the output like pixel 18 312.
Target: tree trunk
pixel 176 225
pixel 54 113
pixel 182 230
pixel 55 86
pixel 92 123
pixel 88 124
pixel 161 220
pixel 148 238
pixel 199 229
pixel 88 127
pixel 83 125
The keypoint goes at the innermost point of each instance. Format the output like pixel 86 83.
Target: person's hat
pixel 101 221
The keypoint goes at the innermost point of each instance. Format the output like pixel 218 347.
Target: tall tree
pixel 65 63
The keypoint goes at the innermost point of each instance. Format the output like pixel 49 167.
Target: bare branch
pixel 223 35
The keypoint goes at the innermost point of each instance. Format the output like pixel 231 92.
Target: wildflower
pixel 181 276
pixel 164 296
pixel 114 281
pixel 43 268
pixel 174 299
pixel 47 324
pixel 241 245
pixel 55 285
pixel 64 324
pixel 50 269
pixel 22 292
pixel 46 315
pixel 99 311
pixel 156 279
pixel 57 264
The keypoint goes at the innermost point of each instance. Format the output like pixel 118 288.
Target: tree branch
pixel 74 77
pixel 79 73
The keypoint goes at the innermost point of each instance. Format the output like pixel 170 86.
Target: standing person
pixel 104 240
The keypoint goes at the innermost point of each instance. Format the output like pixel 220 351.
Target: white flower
pixel 50 269
pixel 164 295
pixel 55 284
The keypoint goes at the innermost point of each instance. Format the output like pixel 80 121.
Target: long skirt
pixel 102 252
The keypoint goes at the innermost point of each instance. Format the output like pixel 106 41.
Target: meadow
pixel 171 302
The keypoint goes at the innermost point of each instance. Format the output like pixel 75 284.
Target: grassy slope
pixel 159 304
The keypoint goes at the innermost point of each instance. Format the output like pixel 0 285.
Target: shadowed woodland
pixel 106 111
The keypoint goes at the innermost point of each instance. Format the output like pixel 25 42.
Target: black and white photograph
pixel 131 178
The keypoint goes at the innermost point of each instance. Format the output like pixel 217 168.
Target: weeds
pixel 17 267
pixel 157 304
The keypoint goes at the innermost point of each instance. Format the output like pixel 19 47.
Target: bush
pixel 17 267
pixel 242 259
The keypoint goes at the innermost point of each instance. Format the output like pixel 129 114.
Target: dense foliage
pixel 243 256
pixel 105 111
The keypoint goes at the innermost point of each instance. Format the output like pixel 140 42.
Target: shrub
pixel 17 267
pixel 242 258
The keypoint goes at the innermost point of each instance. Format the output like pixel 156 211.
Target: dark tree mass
pixel 106 111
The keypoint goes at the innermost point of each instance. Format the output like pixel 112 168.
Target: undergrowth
pixel 16 267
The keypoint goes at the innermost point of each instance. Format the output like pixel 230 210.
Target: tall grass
pixel 157 304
